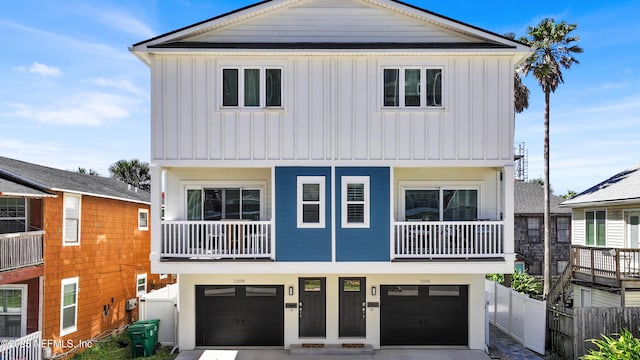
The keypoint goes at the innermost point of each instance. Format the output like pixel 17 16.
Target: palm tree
pixel 132 172
pixel 554 47
pixel 84 171
pixel 520 90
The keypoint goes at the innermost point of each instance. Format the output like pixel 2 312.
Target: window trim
pixel 64 220
pixel 568 230
pixel 403 186
pixel 401 88
pixel 140 212
pixel 345 181
pixel 138 278
pixel 68 281
pixel 301 181
pixel 26 212
pixel 539 228
pixel 262 86
pixel 23 307
pixel 595 236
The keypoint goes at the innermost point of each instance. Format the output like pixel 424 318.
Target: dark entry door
pixel 312 307
pixel 239 315
pixel 353 311
pixel 424 315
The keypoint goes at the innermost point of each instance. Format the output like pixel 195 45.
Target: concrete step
pixel 331 349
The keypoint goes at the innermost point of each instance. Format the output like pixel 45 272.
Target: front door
pixel 353 307
pixel 312 307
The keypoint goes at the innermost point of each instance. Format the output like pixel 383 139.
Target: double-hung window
pixel 595 227
pixel 143 219
pixel 252 87
pixel 13 215
pixel 311 201
pixel 412 87
pixel 141 284
pixel 563 229
pixel 69 306
pixel 534 224
pixel 355 202
pixel 71 230
pixel 440 204
pixel 223 204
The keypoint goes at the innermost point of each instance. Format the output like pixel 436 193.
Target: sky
pixel 72 95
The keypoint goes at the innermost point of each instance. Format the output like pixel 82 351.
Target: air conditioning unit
pixel 131 304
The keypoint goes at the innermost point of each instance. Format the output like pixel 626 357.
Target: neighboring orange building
pixel 73 249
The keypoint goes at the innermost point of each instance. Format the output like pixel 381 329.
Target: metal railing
pixel 216 239
pixel 28 347
pixel 21 249
pixel 602 264
pixel 448 239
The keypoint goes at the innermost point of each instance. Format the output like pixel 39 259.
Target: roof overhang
pixel 601 203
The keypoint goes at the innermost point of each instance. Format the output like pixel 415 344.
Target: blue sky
pixel 71 94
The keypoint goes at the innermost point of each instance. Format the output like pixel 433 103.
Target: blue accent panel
pixel 369 244
pixel 292 243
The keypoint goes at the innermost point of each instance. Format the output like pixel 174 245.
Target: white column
pixel 507 180
pixel 156 215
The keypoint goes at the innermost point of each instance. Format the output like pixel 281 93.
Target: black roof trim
pixel 327 45
pixel 267 1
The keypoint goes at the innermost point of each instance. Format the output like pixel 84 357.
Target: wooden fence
pixel 569 333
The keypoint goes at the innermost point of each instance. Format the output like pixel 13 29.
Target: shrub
pixel 624 347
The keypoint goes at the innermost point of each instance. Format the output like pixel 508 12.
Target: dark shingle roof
pixel 47 178
pixel 621 187
pixel 14 188
pixel 529 199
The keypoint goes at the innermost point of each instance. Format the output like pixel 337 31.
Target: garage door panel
pixel 239 315
pixel 424 315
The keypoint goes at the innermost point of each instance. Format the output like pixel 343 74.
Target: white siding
pixel 332 111
pixel 631 298
pixel 332 21
pixel 599 298
pixel 615 226
pixel 577 227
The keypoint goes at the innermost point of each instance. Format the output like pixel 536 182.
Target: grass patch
pixel 118 347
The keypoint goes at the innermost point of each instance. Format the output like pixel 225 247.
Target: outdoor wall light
pixel 373 290
pixel 290 290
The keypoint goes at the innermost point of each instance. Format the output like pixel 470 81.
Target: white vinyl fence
pixel 517 315
pixel 161 304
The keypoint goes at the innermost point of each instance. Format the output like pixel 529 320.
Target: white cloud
pixel 119 84
pixel 40 69
pixel 84 109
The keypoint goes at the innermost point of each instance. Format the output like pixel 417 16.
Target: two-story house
pixel 605 250
pixel 73 249
pixel 335 172
pixel 529 230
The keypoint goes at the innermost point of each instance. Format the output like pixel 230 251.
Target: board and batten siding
pixel 334 21
pixel 332 110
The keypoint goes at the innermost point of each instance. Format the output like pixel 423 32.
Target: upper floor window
pixel 441 204
pixel 595 227
pixel 355 201
pixel 13 215
pixel 534 224
pixel 143 219
pixel 412 87
pixel 563 228
pixel 71 230
pixel 223 204
pixel 13 310
pixel 311 201
pixel 257 87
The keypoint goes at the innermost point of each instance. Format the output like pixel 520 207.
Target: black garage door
pixel 424 315
pixel 239 315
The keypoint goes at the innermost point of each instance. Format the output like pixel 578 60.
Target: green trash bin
pixel 144 337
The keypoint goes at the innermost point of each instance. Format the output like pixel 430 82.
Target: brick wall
pixel 112 252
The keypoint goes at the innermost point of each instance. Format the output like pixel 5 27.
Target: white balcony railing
pixel 448 239
pixel 216 239
pixel 20 249
pixel 28 347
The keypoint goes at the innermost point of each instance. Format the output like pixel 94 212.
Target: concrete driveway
pixel 383 354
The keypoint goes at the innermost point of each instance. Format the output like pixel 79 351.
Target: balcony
pixel 20 250
pixel 605 266
pixel 448 239
pixel 28 347
pixel 216 240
